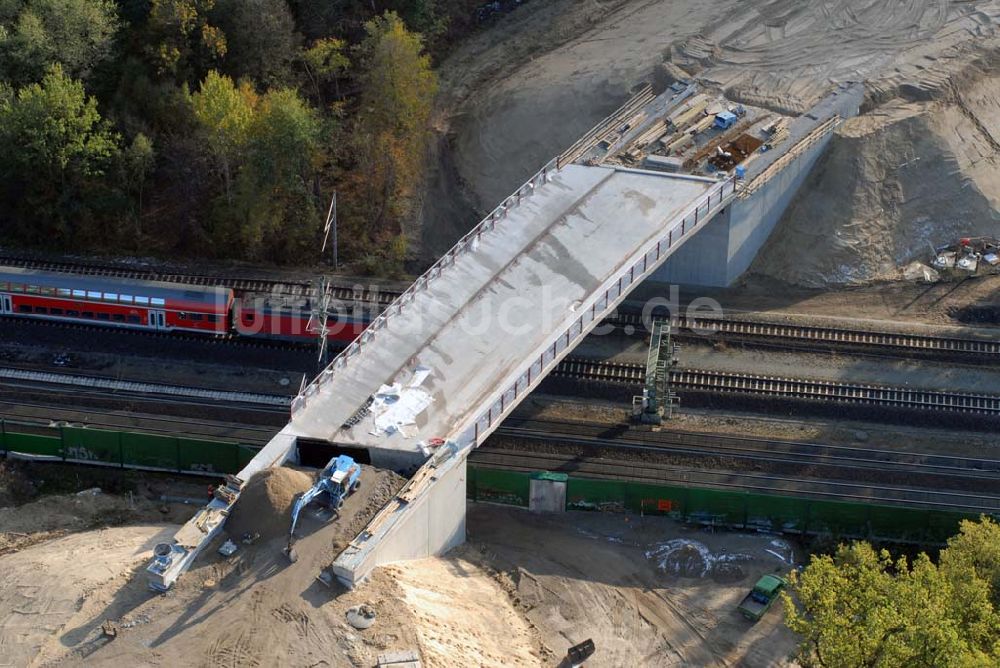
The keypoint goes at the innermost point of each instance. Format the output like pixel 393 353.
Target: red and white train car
pixel 290 318
pixel 114 302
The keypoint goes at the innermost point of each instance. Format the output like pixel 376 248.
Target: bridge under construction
pixel 453 355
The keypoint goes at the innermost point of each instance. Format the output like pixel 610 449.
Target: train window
pixel 88 314
pixel 111 296
pixel 142 300
pixel 79 293
pixel 93 295
pixel 41 310
pixel 156 301
pixel 182 315
pixel 24 308
pixel 196 317
pixel 126 299
pixel 133 319
pixel 103 316
pixel 56 311
pixel 211 317
pixel 73 314
pixel 118 317
pixel 64 292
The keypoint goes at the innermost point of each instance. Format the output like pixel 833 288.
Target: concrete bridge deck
pixel 482 327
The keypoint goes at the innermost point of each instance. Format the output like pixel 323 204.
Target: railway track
pixel 722 382
pixel 655 473
pixel 610 451
pixel 594 436
pixel 682 380
pixel 732 328
pixel 230 339
pixel 977 350
pixel 29 415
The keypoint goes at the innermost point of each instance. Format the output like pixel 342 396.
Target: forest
pixel 218 128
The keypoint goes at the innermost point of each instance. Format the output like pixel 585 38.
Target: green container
pixel 149 451
pixel 768 512
pixel 508 487
pixel 33 444
pixel 92 446
pixel 197 456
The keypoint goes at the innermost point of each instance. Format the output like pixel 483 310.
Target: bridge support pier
pixel 429 521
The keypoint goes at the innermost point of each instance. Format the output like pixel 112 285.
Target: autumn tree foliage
pixel 390 132
pixel 217 127
pixel 860 607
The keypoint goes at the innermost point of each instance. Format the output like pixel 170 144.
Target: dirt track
pixel 646 590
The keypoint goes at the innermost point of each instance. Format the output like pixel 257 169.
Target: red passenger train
pixel 156 305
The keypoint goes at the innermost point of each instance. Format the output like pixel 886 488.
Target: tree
pixel 278 207
pixel 976 549
pixel 325 61
pixel 55 147
pixel 266 150
pixel 224 111
pixel 77 34
pixel 261 40
pixel 137 162
pixel 180 40
pixel 398 87
pixel 860 607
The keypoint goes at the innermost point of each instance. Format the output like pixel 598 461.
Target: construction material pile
pixel 265 504
pixel 969 256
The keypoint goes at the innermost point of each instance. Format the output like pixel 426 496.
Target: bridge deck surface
pixel 481 321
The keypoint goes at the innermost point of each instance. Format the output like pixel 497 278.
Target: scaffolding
pixel 657 400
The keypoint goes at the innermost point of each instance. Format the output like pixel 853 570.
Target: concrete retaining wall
pixel 724 249
pixel 752 220
pixel 429 525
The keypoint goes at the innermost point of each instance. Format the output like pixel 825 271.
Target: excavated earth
pixel 916 169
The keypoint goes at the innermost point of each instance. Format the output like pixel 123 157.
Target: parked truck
pixel 761 597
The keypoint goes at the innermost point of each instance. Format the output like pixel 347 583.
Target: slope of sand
pixel 894 182
pixel 463 618
pixel 254 609
pixel 49 593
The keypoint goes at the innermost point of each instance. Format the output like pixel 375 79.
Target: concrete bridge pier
pixel 426 519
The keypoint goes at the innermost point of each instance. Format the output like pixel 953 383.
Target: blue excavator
pixel 340 478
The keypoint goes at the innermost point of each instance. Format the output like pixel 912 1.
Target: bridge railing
pixel 598 308
pixel 468 243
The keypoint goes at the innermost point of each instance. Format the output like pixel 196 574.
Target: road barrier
pixel 730 510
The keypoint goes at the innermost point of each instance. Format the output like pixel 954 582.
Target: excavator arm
pixel 302 502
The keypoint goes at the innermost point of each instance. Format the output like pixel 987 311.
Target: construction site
pixel 732 299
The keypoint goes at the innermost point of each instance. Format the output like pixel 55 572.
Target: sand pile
pixel 266 502
pixel 893 183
